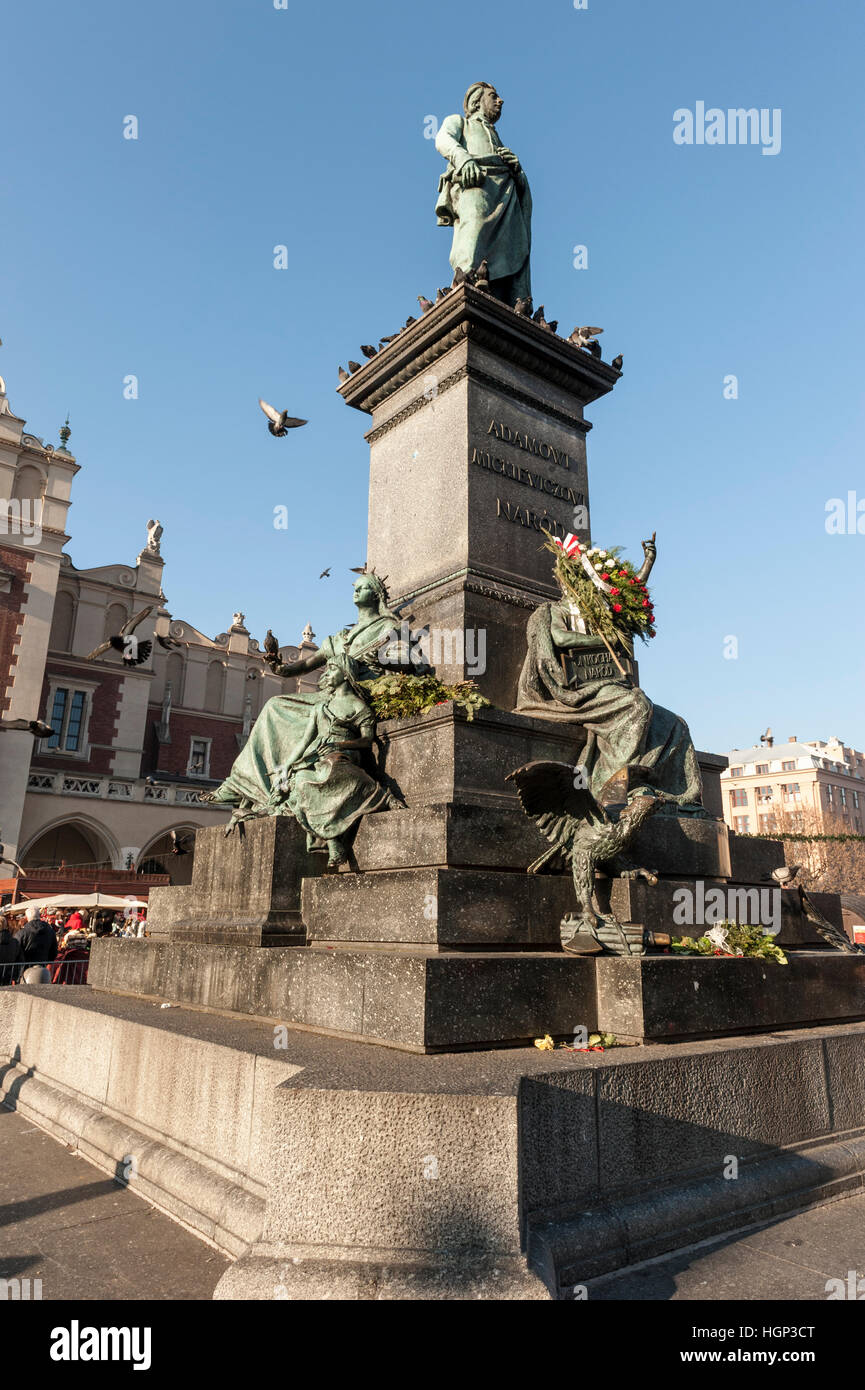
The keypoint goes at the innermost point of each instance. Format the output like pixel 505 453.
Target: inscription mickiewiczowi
pixel 508 469
pixel 528 442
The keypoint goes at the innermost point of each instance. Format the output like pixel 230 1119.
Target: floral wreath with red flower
pixel 611 595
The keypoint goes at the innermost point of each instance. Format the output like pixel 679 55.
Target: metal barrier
pixel 61 972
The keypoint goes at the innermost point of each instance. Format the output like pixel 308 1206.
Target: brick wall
pixel 11 618
pixel 173 757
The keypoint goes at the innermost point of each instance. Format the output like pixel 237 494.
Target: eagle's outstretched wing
pixel 546 788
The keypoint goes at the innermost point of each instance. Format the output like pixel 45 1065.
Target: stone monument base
pixel 333 1170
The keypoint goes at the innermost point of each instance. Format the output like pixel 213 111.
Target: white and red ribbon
pixel 571 546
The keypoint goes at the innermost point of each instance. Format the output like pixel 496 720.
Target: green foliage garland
pixel 399 695
pixel 800 835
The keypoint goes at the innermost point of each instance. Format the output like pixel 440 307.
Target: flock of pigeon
pixel 585 338
pixel 279 422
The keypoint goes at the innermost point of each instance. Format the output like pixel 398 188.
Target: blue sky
pixel 304 127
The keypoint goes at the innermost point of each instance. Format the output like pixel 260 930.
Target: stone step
pixel 441 907
pixel 413 998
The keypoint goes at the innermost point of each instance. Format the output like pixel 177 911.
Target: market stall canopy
pixel 76 900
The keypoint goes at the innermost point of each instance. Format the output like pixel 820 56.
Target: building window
pixel 856 801
pixel 762 769
pixel 739 798
pixel 199 758
pixel 68 715
pixel 765 824
pixel 740 825
pixel 62 622
pixel 788 767
pixel 764 794
pixel 790 791
pixel 829 791
pixel 735 772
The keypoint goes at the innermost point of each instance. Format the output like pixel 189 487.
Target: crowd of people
pixel 39 947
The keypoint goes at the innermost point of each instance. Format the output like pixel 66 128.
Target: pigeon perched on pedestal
pixel 424 303
pixel 582 338
pixel 343 375
pixel 786 873
pixel 617 362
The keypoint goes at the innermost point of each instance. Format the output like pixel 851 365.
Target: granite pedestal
pixel 477 451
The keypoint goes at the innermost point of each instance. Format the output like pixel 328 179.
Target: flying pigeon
pixel 617 362
pixel 368 350
pixel 767 737
pixel 179 843
pixel 134 653
pixel 279 422
pixel 13 862
pixel 343 375
pixel 36 727
pixel 354 366
pixel 358 569
pixel 581 337
pixel 325 574
pixel 424 303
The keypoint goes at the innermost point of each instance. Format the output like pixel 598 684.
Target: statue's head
pixel 332 677
pixel 483 99
pixel 370 589
pixel 341 670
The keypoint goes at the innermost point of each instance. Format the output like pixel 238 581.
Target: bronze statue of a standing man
pixel 484 195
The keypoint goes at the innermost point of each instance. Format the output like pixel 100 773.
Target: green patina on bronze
pixel 572 675
pixel 305 756
pixel 484 195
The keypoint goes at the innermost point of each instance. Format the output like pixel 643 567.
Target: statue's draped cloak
pixel 279 772
pixel 624 727
pixel 492 222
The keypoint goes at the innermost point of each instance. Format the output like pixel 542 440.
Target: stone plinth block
pixel 442 907
pixel 412 998
pixel 457 835
pixel 245 889
pixel 441 756
pixel 685 846
pixel 669 998
pixel 752 860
